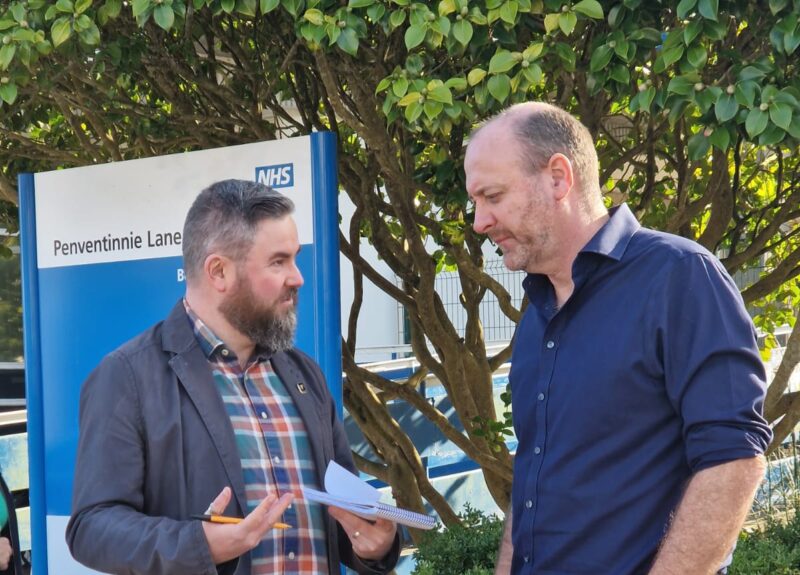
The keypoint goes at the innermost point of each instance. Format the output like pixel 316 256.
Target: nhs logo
pixel 280 176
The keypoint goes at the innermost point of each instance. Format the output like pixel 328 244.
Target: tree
pixel 695 108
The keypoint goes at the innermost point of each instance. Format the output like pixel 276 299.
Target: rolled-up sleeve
pixel 714 374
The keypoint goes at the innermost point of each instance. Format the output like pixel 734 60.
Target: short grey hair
pixel 224 218
pixel 543 130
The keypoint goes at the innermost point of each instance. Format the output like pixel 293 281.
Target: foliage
pixel 468 548
pixel 695 108
pixel 775 550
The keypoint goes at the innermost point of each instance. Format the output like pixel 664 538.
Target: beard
pixel 263 324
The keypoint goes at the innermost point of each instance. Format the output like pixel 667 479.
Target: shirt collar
pixel 208 340
pixel 610 241
pixel 613 238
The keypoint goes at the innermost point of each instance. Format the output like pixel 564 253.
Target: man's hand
pixel 371 541
pixel 5 553
pixel 227 542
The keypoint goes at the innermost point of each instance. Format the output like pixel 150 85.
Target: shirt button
pixel 527 559
pixel 529 504
pixel 291 554
pixel 537 450
pixel 224 352
pixel 551 344
pixel 277 459
pixel 541 397
pixel 263 415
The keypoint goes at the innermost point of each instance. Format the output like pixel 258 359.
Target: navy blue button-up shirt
pixel 648 373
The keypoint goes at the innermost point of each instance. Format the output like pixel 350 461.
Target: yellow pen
pixel 233 520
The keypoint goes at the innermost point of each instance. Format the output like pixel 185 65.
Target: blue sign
pixel 281 176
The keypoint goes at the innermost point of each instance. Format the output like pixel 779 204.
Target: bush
pixel 466 549
pixel 773 551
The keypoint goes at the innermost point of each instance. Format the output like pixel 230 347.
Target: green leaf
pixel 646 98
pixel 113 8
pixel 268 6
pixel 246 7
pixel 776 6
pixel 794 128
pixel 314 16
pixel 447 7
pixel 164 16
pixel 414 36
pixel 746 93
pixel 6 55
pixel 720 138
pixel 360 3
pixel 397 18
pixel 228 5
pixel 601 57
pixel 440 94
pixel 432 109
pixel 590 8
pixel 533 51
pixel 348 41
pixel 698 146
pixel 616 15
pixel 140 7
pixel 499 87
pixel 413 112
pixel 781 115
pixel 771 136
pixel 501 62
pixel 508 12
pixel 457 83
pixel 726 107
pixel 790 42
pixel 751 73
pixel 551 22
pixel 533 74
pixel 756 122
pixel 60 31
pixel 697 56
pixel 8 93
pixel 462 31
pixel 441 25
pixel 622 48
pixel 91 35
pixel 476 76
pixel 400 87
pixel 708 9
pixel 621 74
pixel 409 99
pixel 567 22
pixel 62 6
pixel 681 85
pixel 684 7
pixel 691 31
pixel 293 7
pixel 385 83
pixel 376 12
pixel 82 5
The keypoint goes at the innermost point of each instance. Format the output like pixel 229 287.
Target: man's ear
pixel 562 175
pixel 219 272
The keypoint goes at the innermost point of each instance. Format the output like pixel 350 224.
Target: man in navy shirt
pixel 637 385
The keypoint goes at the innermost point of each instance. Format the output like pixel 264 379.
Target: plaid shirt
pixel 275 453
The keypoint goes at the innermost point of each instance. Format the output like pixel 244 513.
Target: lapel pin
pixel 301 387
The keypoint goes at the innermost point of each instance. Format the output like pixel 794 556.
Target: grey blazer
pixel 156 445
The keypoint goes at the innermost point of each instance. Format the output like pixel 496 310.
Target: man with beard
pixel 213 410
pixel 637 385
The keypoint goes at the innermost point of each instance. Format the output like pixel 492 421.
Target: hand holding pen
pixel 227 540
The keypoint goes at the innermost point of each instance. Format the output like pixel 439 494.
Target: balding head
pixel 543 130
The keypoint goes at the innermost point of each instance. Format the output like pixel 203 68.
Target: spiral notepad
pixel 345 490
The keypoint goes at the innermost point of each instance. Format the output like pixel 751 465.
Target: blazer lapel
pixel 191 368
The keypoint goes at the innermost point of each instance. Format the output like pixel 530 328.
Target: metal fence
pixel 497 326
pixel 779 494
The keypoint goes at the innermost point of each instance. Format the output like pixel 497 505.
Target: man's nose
pixel 483 221
pixel 295 279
